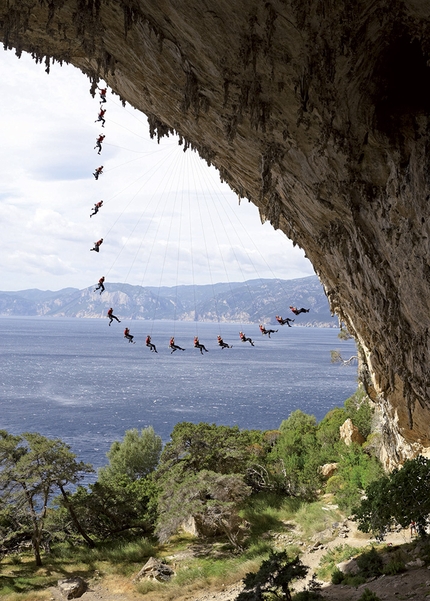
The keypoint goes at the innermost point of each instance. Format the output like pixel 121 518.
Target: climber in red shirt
pixel 97 206
pixel 284 321
pixel 298 311
pixel 223 344
pixel 199 346
pixel 128 335
pixel 150 344
pixel 100 285
pixel 245 339
pixel 97 245
pixel 99 141
pixel 112 316
pixel 174 346
pixel 264 331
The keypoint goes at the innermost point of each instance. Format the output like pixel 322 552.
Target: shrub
pixel 337 576
pixel 370 563
pixel 368 595
pixel 393 567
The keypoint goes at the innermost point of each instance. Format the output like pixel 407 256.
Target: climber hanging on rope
pixel 100 286
pixel 97 206
pixel 128 335
pixel 298 311
pixel 150 344
pixel 99 141
pixel 174 346
pixel 264 331
pixel 98 172
pixel 97 245
pixel 112 316
pixel 101 117
pixel 223 344
pixel 199 346
pixel 102 94
pixel 284 321
pixel 245 339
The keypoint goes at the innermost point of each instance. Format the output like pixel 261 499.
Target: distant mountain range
pixel 254 301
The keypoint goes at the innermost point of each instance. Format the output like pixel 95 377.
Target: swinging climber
pixel 101 117
pixel 199 346
pixel 128 335
pixel 99 141
pixel 97 245
pixel 97 206
pixel 102 94
pixel 264 331
pixel 245 339
pixel 298 311
pixel 98 172
pixel 112 316
pixel 174 346
pixel 150 344
pixel 283 321
pixel 223 344
pixel 100 286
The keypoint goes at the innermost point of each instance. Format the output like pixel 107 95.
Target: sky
pixel 166 220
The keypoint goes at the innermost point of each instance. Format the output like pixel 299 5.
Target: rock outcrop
pixel 318 112
pixel 350 433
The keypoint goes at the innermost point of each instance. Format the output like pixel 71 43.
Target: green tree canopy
pixel 32 468
pixel 211 499
pixel 403 497
pixel 136 456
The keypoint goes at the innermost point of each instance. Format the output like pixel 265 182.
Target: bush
pixel 368 595
pixel 337 576
pixel 370 563
pixel 393 567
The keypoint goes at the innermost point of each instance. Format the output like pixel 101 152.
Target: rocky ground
pixel 412 585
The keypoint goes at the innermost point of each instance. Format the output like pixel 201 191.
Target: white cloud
pixel 166 217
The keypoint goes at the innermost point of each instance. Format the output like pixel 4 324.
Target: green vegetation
pixel 240 489
pixel 273 578
pixel 402 497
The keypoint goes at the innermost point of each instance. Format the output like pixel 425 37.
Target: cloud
pixel 166 216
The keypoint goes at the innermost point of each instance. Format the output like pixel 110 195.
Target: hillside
pixel 253 301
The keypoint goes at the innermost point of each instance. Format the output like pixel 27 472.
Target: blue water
pixel 81 381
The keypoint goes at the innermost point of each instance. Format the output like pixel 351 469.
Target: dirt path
pixel 412 585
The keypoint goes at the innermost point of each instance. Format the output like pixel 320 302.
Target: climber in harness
pixel 128 335
pixel 223 344
pixel 264 331
pixel 102 94
pixel 112 316
pixel 98 172
pixel 101 117
pixel 199 346
pixel 298 311
pixel 97 206
pixel 150 344
pixel 245 339
pixel 99 141
pixel 284 321
pixel 100 286
pixel 174 346
pixel 97 245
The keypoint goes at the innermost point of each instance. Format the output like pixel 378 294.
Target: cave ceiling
pixel 318 112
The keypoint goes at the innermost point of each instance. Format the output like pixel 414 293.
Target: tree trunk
pixel 75 520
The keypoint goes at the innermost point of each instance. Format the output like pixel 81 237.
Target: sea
pixel 79 379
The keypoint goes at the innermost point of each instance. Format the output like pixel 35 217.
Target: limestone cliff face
pixel 318 112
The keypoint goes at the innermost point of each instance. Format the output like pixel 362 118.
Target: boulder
pixel 72 588
pixel 350 433
pixel 154 569
pixel 349 566
pixel 328 469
